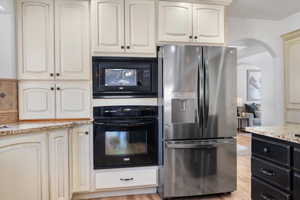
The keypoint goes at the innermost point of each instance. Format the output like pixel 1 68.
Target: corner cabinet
pixel 186 22
pixel 130 30
pixel 24 167
pixel 49 100
pixel 292 81
pixel 45 54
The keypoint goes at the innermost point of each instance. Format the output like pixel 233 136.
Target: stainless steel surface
pixel 207 167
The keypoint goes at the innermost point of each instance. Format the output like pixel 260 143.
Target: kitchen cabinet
pixel 36 100
pixel 80 162
pixel 292 81
pixel 72 100
pixel 130 30
pixel 187 22
pixel 59 165
pixel 49 100
pixel 35 39
pixel 45 54
pixel 24 167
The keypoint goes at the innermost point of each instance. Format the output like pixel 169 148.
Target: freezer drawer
pixel 193 168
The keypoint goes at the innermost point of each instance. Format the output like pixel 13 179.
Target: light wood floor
pixel 243 182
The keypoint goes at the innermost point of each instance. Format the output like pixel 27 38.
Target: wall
pixel 7 40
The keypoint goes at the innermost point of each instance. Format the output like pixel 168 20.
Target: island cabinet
pixel 275 169
pixel 186 22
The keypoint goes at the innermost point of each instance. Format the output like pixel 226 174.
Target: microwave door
pixel 219 107
pixel 180 92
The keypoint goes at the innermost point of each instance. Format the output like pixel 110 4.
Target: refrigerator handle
pixel 199 96
pixel 206 92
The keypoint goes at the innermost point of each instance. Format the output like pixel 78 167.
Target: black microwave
pixel 124 77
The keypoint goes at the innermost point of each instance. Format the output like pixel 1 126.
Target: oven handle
pixel 128 124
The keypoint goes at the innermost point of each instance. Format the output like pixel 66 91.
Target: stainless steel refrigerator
pixel 197 98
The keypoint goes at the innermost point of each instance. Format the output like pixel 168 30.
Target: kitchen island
pixel 275 162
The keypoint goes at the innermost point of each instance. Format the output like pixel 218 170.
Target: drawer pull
pixel 126 179
pixel 265 197
pixel 266 150
pixel 267 172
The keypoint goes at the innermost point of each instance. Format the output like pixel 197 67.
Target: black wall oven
pixel 126 77
pixel 125 136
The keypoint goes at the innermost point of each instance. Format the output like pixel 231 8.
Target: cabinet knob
pixel 128 47
pixel 51 74
pixel 191 37
pixel 266 150
pixel 196 37
pixel 58 88
pixel 52 88
pixel 122 47
pixel 86 133
pixel 57 74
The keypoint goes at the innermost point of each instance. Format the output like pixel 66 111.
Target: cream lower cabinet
pixel 49 100
pixel 24 167
pixel 80 159
pixel 292 81
pixel 59 165
pixel 187 22
pixel 130 30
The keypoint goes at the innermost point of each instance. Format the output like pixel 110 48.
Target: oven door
pixel 127 143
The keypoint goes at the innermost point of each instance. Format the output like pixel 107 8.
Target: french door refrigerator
pixel 197 98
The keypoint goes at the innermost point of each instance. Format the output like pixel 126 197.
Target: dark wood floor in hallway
pixel 243 181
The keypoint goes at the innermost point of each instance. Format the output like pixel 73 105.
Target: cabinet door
pixel 72 40
pixel 35 39
pixel 24 167
pixel 208 23
pixel 108 26
pixel 59 165
pixel 80 159
pixel 175 21
pixel 36 100
pixel 72 100
pixel 140 26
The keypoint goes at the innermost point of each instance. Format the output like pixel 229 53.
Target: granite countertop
pixel 286 132
pixel 32 127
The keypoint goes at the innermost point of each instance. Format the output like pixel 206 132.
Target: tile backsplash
pixel 8 101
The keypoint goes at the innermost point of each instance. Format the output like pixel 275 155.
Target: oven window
pixel 125 142
pixel 120 77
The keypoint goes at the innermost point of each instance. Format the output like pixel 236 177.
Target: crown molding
pixel 213 2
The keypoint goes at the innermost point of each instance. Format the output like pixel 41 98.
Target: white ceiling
pixel 264 9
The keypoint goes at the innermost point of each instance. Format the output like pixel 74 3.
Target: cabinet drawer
pixel 296 185
pixel 274 174
pixel 123 178
pixel 263 191
pixel 297 158
pixel 274 151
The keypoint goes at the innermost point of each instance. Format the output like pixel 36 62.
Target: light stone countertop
pixel 286 132
pixel 32 127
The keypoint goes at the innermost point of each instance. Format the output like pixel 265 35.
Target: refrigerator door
pixel 180 92
pixel 219 116
pixel 194 168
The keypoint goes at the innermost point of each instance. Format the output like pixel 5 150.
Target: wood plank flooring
pixel 243 181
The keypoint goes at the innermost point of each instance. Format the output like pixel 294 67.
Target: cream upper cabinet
pixel 24 167
pixel 72 100
pixel 59 164
pixel 208 23
pixel 72 49
pixel 175 21
pixel 108 25
pixel 187 22
pixel 130 29
pixel 35 39
pixel 140 26
pixel 292 81
pixel 36 100
pixel 80 162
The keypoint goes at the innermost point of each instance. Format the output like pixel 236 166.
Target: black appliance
pixel 125 77
pixel 125 136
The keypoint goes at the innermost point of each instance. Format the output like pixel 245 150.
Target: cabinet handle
pixel 52 88
pixel 191 37
pixel 126 179
pixel 265 197
pixel 128 47
pixel 51 74
pixel 266 150
pixel 122 47
pixel 267 172
pixel 57 74
pixel 86 132
pixel 196 37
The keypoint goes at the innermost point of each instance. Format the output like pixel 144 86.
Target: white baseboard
pixel 114 193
